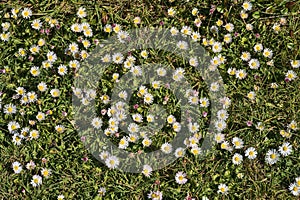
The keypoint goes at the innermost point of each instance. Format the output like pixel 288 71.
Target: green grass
pixel 78 179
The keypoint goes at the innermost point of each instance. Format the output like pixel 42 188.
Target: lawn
pixel 144 99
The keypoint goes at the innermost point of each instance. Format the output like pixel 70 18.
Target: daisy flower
pixel 148 98
pixel 10 109
pixel 194 62
pixel 137 117
pixel 182 45
pixel 36 24
pixel 60 128
pixel 237 143
pixel 186 30
pixel 249 27
pixel 136 71
pixel 34 134
pixel 5 26
pixel 155 195
pixel 104 155
pixel 276 27
pixel 46 172
pixel 107 28
pixel 74 64
pixel 60 197
pixel 179 152
pixel 231 71
pixel 251 95
pixel 42 86
pixel 30 165
pixel 118 58
pixel 12 126
pixel 268 53
pixel 51 56
pixel 222 114
pixel 295 63
pixel 176 126
pixel 229 27
pixel 214 29
pixel 161 72
pixel 73 47
pixel 32 97
pixel 147 170
pixel 247 6
pixel 251 153
pixel 193 127
pixel 223 189
pixel 258 47
pixel 227 38
pixel 76 28
pixel 137 20
pixel 254 64
pixel 117 28
pixel 204 102
pixel 144 54
pixel 123 144
pixel 146 142
pixel 243 14
pixel 132 138
pixel 85 26
pixel 5 36
pixel 88 32
pixel 219 138
pixel 102 191
pixel 97 123
pixel 36 180
pixel 219 22
pixel 194 11
pixel 237 159
pixel 174 31
pixel 295 189
pixel 260 126
pixel 220 125
pixel 112 162
pixel 180 178
pixel 171 119
pixel 34 49
pixel 81 13
pixel 193 100
pixel 171 12
pixel 62 70
pixel 17 167
pixel 272 156
pixel 166 148
pixel 17 139
pixel 290 75
pixel 246 56
pixel 217 47
pixel 293 125
pixel 133 128
pixel 240 74
pixel 105 99
pixel 55 93
pixel 298 181
pixel 26 13
pixel 40 116
pixel 285 149
pixel 195 150
pixel 22 52
pixel 214 87
pixel 35 71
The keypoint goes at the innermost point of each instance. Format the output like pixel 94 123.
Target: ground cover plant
pixel 252 45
